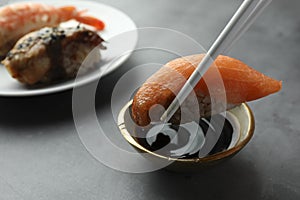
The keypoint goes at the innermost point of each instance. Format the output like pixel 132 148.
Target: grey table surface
pixel 42 157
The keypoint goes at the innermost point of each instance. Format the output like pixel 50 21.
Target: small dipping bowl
pixel 241 119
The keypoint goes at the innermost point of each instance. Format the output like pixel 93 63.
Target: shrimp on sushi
pixel 241 84
pixel 18 19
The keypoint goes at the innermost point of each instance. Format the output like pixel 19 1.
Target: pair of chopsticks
pixel 236 27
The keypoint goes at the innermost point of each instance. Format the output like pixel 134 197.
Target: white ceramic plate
pixel 121 38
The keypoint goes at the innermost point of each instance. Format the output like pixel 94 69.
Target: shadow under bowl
pixel 244 119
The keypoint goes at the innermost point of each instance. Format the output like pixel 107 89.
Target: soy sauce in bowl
pixel 191 146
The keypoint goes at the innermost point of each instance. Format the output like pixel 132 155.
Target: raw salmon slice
pixel 227 76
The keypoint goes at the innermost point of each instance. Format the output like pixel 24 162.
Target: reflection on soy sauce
pixel 163 141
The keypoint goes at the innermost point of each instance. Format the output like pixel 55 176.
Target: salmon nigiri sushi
pixel 240 83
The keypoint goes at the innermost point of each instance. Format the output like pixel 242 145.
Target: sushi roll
pixel 52 54
pixel 241 83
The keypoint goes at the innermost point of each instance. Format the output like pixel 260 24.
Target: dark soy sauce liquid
pixel 163 146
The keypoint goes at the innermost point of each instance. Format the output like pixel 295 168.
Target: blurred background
pixel 41 156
